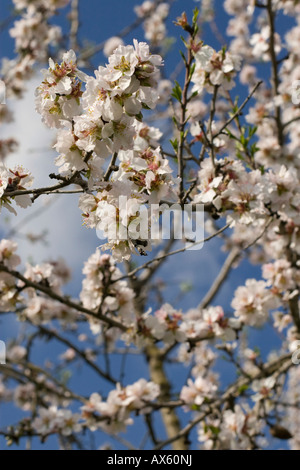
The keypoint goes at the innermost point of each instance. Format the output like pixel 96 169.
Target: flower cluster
pixel 53 274
pixel 149 172
pixel 260 43
pixel 209 323
pixel 282 278
pixel 8 256
pixel 119 211
pixel 142 177
pixel 263 388
pixel 99 121
pixel 120 91
pixel 253 302
pixel 238 428
pixel 170 326
pixel 164 326
pixel 106 119
pixel 250 195
pixel 33 35
pixel 232 187
pixel 37 308
pixel 15 72
pixel 41 310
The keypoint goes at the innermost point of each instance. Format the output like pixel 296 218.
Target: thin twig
pixel 74 18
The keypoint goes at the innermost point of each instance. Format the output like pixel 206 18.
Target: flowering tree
pixel 234 158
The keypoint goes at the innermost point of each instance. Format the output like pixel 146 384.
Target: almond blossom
pixel 58 98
